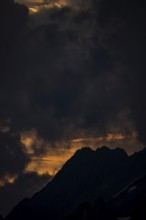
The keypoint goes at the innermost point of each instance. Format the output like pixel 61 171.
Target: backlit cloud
pixel 72 74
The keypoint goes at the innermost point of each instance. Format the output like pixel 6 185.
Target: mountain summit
pixel 85 176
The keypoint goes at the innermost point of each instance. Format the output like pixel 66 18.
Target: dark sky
pixel 71 72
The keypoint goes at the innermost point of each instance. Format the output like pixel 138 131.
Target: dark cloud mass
pixel 12 158
pixel 128 43
pixel 70 69
pixel 80 68
pixel 12 19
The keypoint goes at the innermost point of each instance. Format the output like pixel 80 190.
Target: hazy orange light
pixel 108 137
pixel 1 183
pixel 47 5
pixel 55 156
pixel 7 180
pixel 10 179
pixel 111 137
pixel 51 162
pixel 28 140
pixel 33 10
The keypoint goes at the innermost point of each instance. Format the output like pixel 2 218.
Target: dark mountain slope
pixel 132 200
pixel 87 175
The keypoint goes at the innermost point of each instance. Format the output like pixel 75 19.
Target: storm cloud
pixel 78 68
pixel 69 72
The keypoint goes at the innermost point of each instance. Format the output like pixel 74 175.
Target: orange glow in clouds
pixel 7 180
pixel 108 137
pixel 54 157
pixel 38 5
pixel 49 163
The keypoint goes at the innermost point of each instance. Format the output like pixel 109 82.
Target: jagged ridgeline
pixel 118 179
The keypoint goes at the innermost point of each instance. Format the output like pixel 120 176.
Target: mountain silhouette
pixel 86 176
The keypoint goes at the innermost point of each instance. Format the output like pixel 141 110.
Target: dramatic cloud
pixel 71 74
pixel 87 75
pixel 73 71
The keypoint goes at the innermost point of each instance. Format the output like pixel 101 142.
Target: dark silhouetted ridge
pixel 84 177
